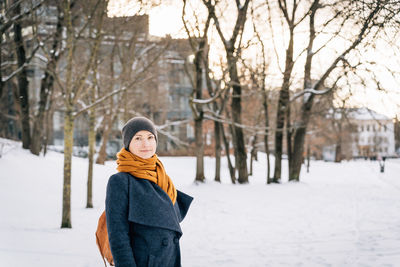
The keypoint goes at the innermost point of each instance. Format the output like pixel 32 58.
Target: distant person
pixel 382 163
pixel 143 208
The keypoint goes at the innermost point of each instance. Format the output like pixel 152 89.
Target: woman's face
pixel 143 144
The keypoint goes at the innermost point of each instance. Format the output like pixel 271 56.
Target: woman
pixel 143 208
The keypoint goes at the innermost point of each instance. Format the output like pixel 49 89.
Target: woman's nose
pixel 145 142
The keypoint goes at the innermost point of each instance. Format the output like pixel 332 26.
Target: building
pixel 174 82
pixel 397 135
pixel 164 97
pixel 161 94
pixel 357 133
pixel 373 135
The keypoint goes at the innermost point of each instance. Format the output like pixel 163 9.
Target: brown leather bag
pixel 102 240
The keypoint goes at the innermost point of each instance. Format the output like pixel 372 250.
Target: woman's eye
pixel 151 137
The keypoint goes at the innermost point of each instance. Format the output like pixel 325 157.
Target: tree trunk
pixel 198 111
pixel 22 82
pixel 338 152
pixel 297 159
pixel 38 125
pixel 68 122
pixel 253 153
pixel 289 133
pixel 68 145
pixel 283 103
pixel 232 170
pixel 280 123
pixel 238 138
pixel 105 136
pixel 92 141
pixel 278 149
pixel 266 139
pixel 198 133
pixel 218 148
pixel 299 138
pixel 308 157
pixel 232 131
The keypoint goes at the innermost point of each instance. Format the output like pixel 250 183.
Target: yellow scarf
pixel 150 169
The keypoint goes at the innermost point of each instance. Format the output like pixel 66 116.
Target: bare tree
pixel 52 55
pixel 219 132
pixel 72 89
pixel 232 50
pixel 260 79
pixel 283 111
pixel 15 16
pixel 372 17
pixel 37 51
pixel 92 96
pixel 22 79
pixel 199 44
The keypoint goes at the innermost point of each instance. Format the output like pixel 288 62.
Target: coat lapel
pixel 182 204
pixel 150 205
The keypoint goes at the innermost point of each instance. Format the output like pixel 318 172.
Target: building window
pixel 368 128
pixel 189 131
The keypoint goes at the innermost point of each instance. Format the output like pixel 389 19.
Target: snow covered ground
pixel 338 215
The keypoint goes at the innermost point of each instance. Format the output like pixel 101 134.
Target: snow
pixel 367 114
pixel 344 214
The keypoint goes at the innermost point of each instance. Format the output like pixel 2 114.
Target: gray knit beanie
pixel 135 125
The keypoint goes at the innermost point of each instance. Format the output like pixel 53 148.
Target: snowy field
pixel 338 215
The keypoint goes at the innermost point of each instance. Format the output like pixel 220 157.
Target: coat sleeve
pixel 117 221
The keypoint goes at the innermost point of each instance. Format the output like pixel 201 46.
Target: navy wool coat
pixel 142 223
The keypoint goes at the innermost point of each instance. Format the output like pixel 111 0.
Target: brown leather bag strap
pixel 102 256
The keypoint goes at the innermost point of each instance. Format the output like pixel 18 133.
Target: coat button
pixel 164 242
pixel 176 240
